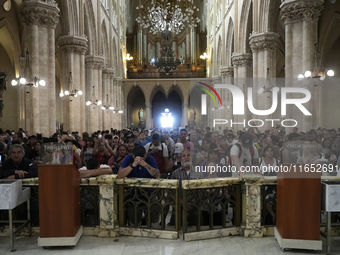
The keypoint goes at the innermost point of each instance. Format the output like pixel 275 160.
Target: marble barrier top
pixel 167 183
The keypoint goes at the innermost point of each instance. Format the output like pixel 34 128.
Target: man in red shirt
pixel 186 144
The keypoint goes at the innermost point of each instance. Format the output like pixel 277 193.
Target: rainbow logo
pixel 209 93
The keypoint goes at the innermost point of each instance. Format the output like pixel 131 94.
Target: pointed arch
pixel 157 89
pixel 133 91
pixel 90 27
pixel 330 37
pixel 177 89
pixel 218 58
pixel 69 17
pixel 246 21
pixel 114 54
pixel 229 41
pixel 11 46
pixel 105 48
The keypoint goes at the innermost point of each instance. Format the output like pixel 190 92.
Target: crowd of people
pixel 190 153
pixel 123 152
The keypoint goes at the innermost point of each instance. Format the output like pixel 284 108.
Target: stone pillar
pixel 185 114
pixel 187 47
pixel 300 18
pixel 193 46
pixel 227 74
pixel 73 49
pixel 40 20
pixel 215 110
pixel 139 47
pixel 115 117
pixel 148 108
pixel 264 47
pixel 108 74
pixel 122 104
pixel 93 65
pixel 253 208
pixel 145 49
pixel 242 72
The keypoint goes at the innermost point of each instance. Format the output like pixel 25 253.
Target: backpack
pixel 154 145
pixel 240 153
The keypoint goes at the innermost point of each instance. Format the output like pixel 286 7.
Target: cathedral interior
pixel 115 64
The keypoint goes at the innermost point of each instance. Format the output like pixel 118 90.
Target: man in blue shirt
pixel 139 165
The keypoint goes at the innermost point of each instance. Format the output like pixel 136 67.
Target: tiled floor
pixel 135 245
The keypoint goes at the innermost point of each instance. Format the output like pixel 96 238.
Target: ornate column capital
pixel 39 13
pixel 73 44
pixel 216 80
pixel 94 62
pixel 227 72
pixel 298 10
pixel 108 73
pixel 185 104
pixel 148 105
pixel 264 41
pixel 245 59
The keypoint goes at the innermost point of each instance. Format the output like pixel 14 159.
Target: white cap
pixel 179 148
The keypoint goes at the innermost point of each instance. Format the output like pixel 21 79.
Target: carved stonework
pixel 242 60
pixel 94 62
pixel 39 13
pixel 292 12
pixel 264 41
pixel 227 72
pixel 216 80
pixel 108 73
pixel 73 44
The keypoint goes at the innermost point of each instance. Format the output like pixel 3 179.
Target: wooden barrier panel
pixel 59 200
pixel 298 205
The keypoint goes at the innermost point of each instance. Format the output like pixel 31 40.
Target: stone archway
pixel 173 102
pixel 136 102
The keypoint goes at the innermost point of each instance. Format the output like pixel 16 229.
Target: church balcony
pixel 181 74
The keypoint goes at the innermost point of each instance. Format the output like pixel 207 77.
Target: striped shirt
pixel 180 174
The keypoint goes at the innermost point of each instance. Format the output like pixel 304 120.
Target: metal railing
pixel 207 208
pixel 148 204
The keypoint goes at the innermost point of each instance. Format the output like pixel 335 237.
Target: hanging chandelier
pixel 93 101
pixel 72 93
pixel 107 105
pixel 28 78
pixel 117 110
pixel 167 61
pixel 167 15
pixel 316 72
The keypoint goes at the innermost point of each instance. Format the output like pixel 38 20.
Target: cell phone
pixel 0 158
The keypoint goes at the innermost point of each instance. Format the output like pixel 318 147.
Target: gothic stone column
pixel 73 49
pixel 253 208
pixel 299 17
pixel 148 107
pixel 242 72
pixel 264 47
pixel 93 65
pixel 227 74
pixel 40 20
pixel 108 74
